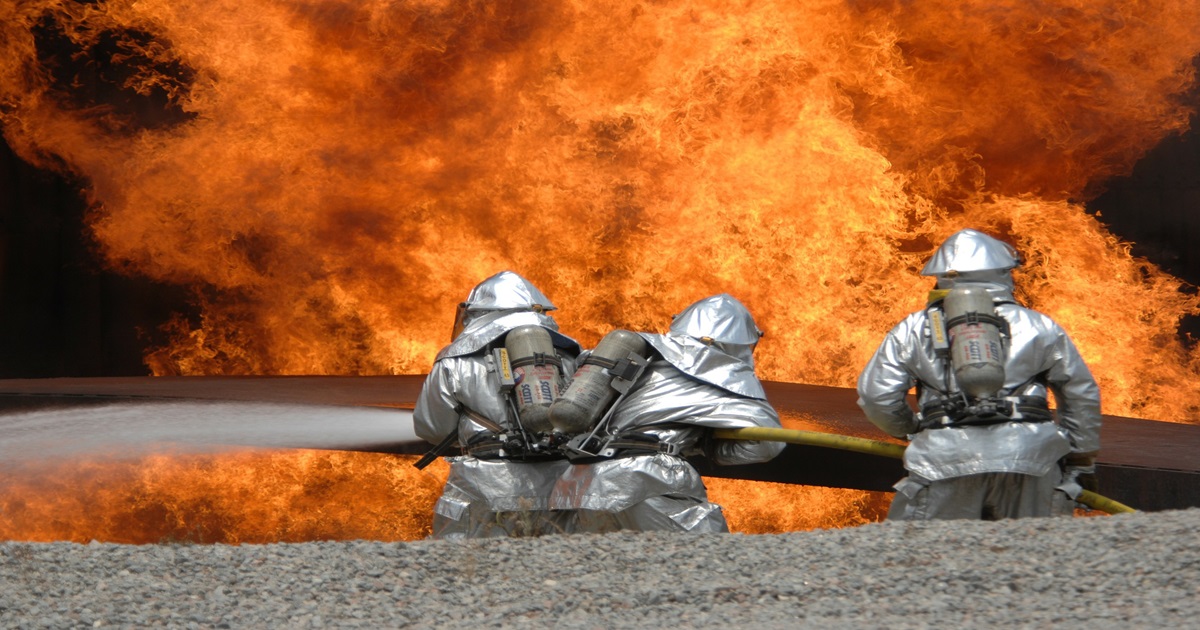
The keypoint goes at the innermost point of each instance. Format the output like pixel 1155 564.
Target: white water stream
pixel 138 427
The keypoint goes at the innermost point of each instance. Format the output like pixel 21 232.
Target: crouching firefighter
pixel 489 392
pixel 640 403
pixel 984 442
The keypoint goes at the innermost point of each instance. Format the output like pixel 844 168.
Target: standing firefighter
pixel 642 402
pixel 985 444
pixel 490 391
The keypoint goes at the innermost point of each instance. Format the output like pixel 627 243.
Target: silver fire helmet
pixel 968 251
pixel 505 291
pixel 720 321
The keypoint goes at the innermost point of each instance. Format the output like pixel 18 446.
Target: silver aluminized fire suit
pixel 994 469
pixel 489 495
pixel 700 377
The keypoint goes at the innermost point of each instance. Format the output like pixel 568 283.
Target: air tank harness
pixel 961 412
pixel 512 448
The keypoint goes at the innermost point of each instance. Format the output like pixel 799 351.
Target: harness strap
pixel 601 361
pixel 486 449
pixel 628 447
pixel 618 446
pixel 493 449
pixel 539 358
pixel 956 413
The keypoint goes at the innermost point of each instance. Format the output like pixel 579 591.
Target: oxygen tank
pixel 975 351
pixel 591 391
pixel 538 375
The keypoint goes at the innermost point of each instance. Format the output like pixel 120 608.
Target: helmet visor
pixel 460 320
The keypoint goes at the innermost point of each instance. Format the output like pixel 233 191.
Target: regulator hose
pixel 875 447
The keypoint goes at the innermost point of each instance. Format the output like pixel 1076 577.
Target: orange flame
pixel 298 496
pixel 250 497
pixel 332 176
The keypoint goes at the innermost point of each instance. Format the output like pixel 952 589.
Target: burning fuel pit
pixel 265 459
pixel 208 460
pixel 151 459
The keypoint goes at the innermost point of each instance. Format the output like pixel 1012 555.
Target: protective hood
pixel 721 321
pixel 708 363
pixel 507 290
pixel 487 327
pixel 969 251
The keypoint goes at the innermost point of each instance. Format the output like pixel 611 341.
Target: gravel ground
pixel 1140 570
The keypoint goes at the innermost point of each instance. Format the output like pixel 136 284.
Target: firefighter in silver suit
pixel 501 485
pixel 984 443
pixel 696 378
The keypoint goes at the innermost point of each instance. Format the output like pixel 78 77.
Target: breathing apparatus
pixel 595 391
pixel 718 321
pixel 527 370
pixel 606 372
pixel 967 336
pixel 529 377
pixel 973 271
pixel 537 373
pixel 975 349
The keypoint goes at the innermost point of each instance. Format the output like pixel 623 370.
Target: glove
pixel 1083 465
pixel 1085 476
pixel 1079 473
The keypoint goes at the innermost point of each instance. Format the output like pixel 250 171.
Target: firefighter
pixel 672 390
pixel 489 392
pixel 984 443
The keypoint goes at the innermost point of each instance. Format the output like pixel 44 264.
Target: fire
pixel 298 496
pixel 248 497
pixel 331 177
pixel 170 495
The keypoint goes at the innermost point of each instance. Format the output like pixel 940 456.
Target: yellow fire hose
pixel 875 447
